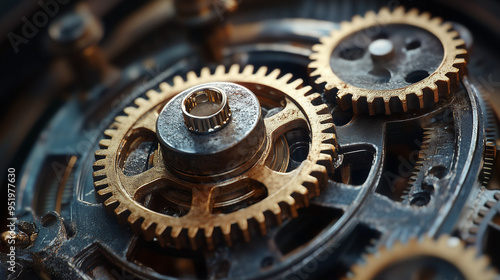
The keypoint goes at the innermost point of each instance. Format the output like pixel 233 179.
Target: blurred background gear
pixel 390 62
pixel 444 258
pixel 297 139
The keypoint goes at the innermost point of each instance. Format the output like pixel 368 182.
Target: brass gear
pixel 286 192
pixel 450 250
pixel 439 83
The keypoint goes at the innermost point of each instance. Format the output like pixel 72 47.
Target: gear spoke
pixel 288 118
pixel 271 179
pixel 140 184
pixel 147 122
pixel 201 203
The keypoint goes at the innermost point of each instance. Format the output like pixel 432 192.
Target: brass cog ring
pixel 240 198
pixel 387 50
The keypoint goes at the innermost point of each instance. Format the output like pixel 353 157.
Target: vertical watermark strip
pixel 11 219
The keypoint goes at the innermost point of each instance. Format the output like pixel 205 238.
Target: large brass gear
pixel 199 227
pixel 413 96
pixel 450 250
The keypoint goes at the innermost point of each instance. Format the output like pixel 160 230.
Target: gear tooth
pixel 151 94
pixel 303 190
pixel 370 15
pixel 295 84
pixel 100 154
pixel 133 219
pixel 220 70
pixel 99 164
pixel 276 210
pixel 122 213
pixel 303 91
pixel 288 207
pixel 248 70
pixel 371 106
pixel 460 65
pixel 274 74
pixel 129 110
pixel 110 133
pixel 176 232
pixel 226 232
pixel 413 12
pixel 111 202
pixel 192 233
pixel 387 107
pixel 209 238
pixel 404 104
pixel 165 87
pixel 460 52
pixel 420 96
pixel 315 73
pixel 353 100
pixel 160 233
pixel 178 80
pixel 312 97
pixel 385 13
pixel 343 25
pixel 205 72
pixel 234 70
pixel 101 173
pixel 356 18
pixel 447 26
pixel 261 221
pixel 312 182
pixel 439 21
pixel 325 160
pixel 301 200
pixel 140 101
pixel 103 188
pixel 326 121
pixel 286 78
pixel 243 225
pixel 262 71
pixel 121 119
pixel 315 55
pixel 324 40
pixel 425 16
pixel 432 91
pixel 322 109
pixel 191 75
pixel 443 85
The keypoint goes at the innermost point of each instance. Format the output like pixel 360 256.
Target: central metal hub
pixel 206 110
pixel 201 136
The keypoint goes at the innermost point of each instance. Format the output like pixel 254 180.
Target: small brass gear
pixel 384 87
pixel 200 226
pixel 450 250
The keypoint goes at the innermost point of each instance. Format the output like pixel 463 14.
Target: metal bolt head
pixel 206 110
pixel 381 49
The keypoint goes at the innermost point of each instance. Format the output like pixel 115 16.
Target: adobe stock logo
pixel 49 9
